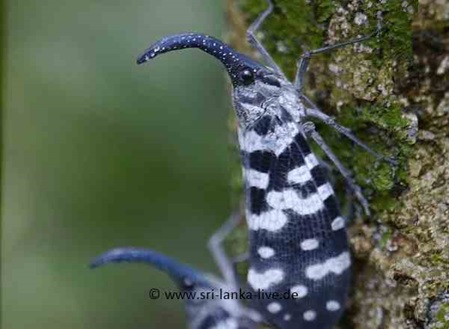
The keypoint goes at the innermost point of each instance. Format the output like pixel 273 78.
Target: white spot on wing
pixel 265 279
pixel 298 291
pixel 289 199
pixel 276 141
pixel 332 305
pixel 282 200
pixel 265 252
pixel 309 244
pixel 325 191
pixel 309 315
pixel 274 307
pixel 334 265
pixel 287 317
pixel 311 161
pixel 256 178
pixel 338 223
pixel 299 175
pixel 272 221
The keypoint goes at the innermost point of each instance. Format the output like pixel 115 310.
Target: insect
pixel 202 312
pixel 297 237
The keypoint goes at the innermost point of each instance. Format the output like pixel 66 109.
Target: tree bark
pixel 392 92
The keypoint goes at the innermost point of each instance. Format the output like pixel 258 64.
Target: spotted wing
pixel 298 244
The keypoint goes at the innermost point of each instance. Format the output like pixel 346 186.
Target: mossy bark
pixel 392 91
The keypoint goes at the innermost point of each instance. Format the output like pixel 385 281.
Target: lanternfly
pixel 297 236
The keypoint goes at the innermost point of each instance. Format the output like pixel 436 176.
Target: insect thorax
pixel 281 103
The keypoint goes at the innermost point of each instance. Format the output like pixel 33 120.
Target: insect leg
pixel 240 258
pixel 244 257
pixel 314 112
pixel 303 63
pixel 251 35
pixel 216 248
pixel 309 129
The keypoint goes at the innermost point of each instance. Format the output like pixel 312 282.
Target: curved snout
pixel 175 269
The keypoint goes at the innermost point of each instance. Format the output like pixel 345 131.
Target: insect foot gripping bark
pixel 202 313
pixel 298 247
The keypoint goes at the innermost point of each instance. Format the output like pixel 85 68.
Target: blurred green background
pixel 100 153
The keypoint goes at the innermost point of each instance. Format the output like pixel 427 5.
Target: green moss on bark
pixel 384 90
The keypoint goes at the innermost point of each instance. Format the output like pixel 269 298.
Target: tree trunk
pixel 392 91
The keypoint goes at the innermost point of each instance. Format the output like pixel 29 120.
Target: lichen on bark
pixel 392 91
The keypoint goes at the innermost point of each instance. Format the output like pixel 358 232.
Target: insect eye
pixel 247 77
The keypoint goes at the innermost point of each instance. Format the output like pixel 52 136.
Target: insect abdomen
pixel 297 238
